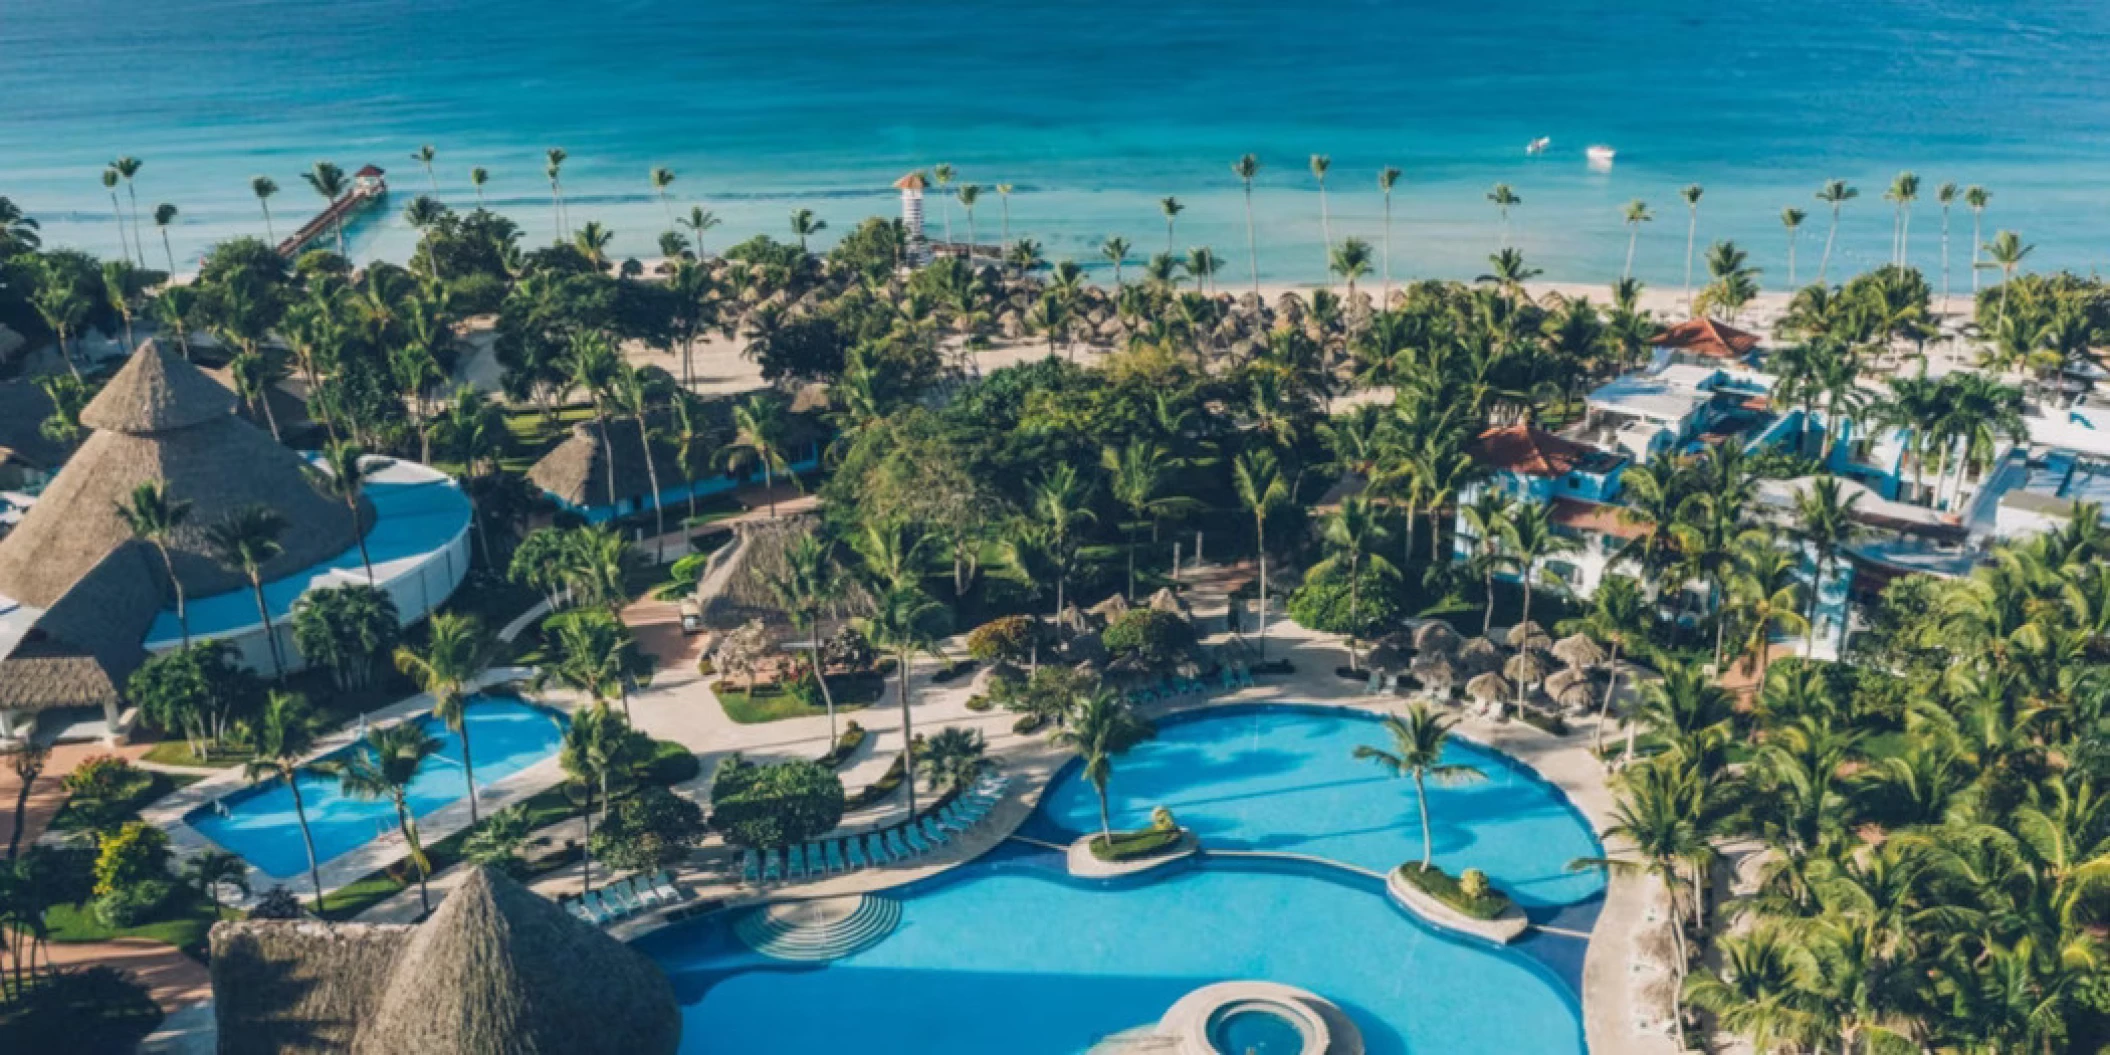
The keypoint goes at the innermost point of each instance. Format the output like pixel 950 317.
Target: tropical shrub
pixel 1486 903
pixel 650 829
pixel 1010 639
pixel 1324 603
pixel 853 737
pixel 134 853
pixel 774 805
pixel 93 1011
pixel 277 903
pixel 1154 637
pixel 343 629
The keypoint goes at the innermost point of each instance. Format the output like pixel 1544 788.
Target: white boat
pixel 1539 145
pixel 1601 154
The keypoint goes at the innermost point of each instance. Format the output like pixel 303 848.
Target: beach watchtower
pixel 369 180
pixel 911 187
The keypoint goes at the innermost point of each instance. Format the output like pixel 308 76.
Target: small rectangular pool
pixel 506 733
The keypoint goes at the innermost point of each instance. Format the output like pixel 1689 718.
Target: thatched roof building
pixel 576 471
pixel 77 589
pixel 497 970
pixel 733 595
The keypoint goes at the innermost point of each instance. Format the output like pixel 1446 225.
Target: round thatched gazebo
pixel 1578 650
pixel 1525 629
pixel 1527 668
pixel 1570 689
pixel 1438 672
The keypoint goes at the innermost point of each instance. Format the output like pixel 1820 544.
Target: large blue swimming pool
pixel 1010 955
pixel 506 733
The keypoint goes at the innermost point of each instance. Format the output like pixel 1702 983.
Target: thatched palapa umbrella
pixel 1489 688
pixel 1571 689
pixel 1578 650
pixel 1522 630
pixel 1527 668
pixel 1480 655
pixel 1436 636
pixel 1530 642
pixel 1438 672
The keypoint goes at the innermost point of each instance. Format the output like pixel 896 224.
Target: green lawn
pixel 184 924
pixel 178 753
pixel 770 704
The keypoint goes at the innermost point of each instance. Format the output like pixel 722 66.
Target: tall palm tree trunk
pixel 1604 707
pixel 409 828
pixel 263 611
pixel 468 767
pixel 1831 235
pixel 307 838
pixel 908 738
pixel 821 676
pixel 1428 842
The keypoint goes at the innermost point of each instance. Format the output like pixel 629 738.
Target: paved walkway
pixel 46 795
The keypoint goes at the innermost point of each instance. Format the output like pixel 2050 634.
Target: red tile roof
pixel 1707 337
pixel 1595 518
pixel 1528 450
pixel 368 172
pixel 912 181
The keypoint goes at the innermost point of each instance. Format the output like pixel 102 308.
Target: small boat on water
pixel 1601 154
pixel 1539 145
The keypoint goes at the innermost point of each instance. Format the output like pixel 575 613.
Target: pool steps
pixel 781 936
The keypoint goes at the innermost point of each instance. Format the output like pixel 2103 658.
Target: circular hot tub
pixel 1259 1018
pixel 1261 1028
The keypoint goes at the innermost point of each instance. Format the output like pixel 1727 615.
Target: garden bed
pixel 1137 845
pixel 1444 887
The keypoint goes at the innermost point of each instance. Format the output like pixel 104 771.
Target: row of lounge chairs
pixel 1226 679
pixel 1386 684
pixel 627 897
pixel 816 860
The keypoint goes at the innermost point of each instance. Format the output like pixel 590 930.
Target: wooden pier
pixel 368 187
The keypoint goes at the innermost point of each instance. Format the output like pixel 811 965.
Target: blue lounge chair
pixel 854 851
pixel 949 817
pixel 618 906
pixel 933 834
pixel 876 849
pixel 773 866
pixel 579 912
pixel 913 836
pixel 1245 677
pixel 663 883
pixel 596 908
pixel 902 851
pixel 835 856
pixel 794 863
pixel 750 866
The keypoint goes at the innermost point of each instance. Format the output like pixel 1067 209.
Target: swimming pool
pixel 507 733
pixel 1010 954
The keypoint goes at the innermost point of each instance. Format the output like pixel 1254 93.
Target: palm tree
pixel 214 869
pixel 329 183
pixel 1257 474
pixel 264 187
pixel 2006 252
pixel 1354 533
pixel 60 302
pixel 126 168
pixel 1351 261
pixel 1903 190
pixel 423 156
pixel 807 583
pixel 164 215
pixel 1099 727
pixel 1766 594
pixel 154 519
pixel 1664 814
pixel 662 177
pixel 1245 168
pixel 245 541
pixel 1824 522
pixel 282 735
pixel 804 224
pixel 634 395
pixel 1386 178
pixel 904 622
pixel 346 469
pixel 121 282
pixel 592 239
pixel 1791 219
pixel 1137 474
pixel 1504 197
pixel 1946 196
pixel 1003 203
pixel 1172 208
pixel 1061 501
pixel 457 649
pixel 594 655
pixel 554 169
pixel 1418 740
pixel 384 769
pixel 1618 616
pixel 969 194
pixel 1319 164
pixel 1531 538
pixel 1977 198
pixel 1691 195
pixel 599 746
pixel 698 221
pixel 942 173
pixel 110 181
pixel 1203 264
pixel 758 439
pixel 1757 989
pixel 1115 250
pixel 1835 193
pixel 1488 516
pixel 477 178
pixel 1636 214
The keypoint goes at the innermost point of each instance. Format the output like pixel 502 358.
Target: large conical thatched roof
pixel 157 391
pixel 497 970
pixel 163 421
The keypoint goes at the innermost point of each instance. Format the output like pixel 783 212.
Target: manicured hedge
pixel 1130 846
pixel 1442 886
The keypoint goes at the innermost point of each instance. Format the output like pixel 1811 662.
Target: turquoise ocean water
pixel 1093 110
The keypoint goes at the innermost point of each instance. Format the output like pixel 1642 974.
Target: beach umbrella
pixel 1435 671
pixel 1561 680
pixel 1522 630
pixel 1436 636
pixel 1530 642
pixel 1574 695
pixel 1527 668
pixel 1578 650
pixel 1489 688
pixel 1386 657
pixel 1480 655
